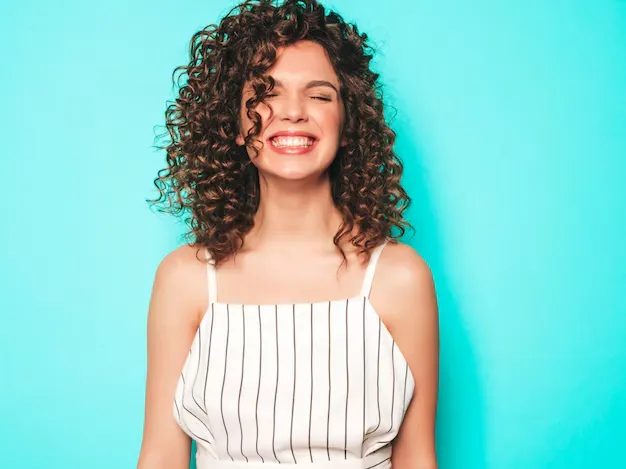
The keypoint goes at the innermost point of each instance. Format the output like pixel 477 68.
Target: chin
pixel 293 174
pixel 298 169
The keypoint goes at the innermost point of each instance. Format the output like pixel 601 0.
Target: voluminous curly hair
pixel 211 180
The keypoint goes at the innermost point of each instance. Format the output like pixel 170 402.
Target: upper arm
pixel 173 315
pixel 407 296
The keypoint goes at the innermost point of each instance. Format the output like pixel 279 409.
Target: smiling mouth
pixel 292 142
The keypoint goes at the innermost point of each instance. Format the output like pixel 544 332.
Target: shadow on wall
pixel 460 423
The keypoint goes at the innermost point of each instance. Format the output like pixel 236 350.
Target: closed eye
pixel 319 98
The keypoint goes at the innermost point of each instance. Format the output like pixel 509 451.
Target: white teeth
pixel 292 142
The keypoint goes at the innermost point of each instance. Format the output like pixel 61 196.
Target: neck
pixel 294 214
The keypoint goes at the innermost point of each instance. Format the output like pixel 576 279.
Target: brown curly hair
pixel 212 181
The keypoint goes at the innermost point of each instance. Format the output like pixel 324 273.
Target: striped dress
pixel 319 384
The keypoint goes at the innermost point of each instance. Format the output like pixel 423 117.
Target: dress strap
pixel 211 276
pixel 371 269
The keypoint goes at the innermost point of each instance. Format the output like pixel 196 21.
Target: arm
pixel 410 311
pixel 173 317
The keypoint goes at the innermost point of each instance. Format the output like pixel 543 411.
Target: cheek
pixel 331 122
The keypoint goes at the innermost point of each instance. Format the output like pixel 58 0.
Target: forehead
pixel 301 62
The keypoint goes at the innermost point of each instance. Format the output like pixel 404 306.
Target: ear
pixel 239 140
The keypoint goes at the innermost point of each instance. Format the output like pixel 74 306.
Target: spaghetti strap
pixel 211 277
pixel 371 269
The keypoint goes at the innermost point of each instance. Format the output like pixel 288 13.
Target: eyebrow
pixel 314 84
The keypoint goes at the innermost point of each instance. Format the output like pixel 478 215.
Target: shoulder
pixel 401 268
pixel 403 293
pixel 181 277
pixel 181 262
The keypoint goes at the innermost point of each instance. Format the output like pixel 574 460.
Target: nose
pixel 291 108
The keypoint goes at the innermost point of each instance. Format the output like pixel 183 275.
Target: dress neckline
pixel 286 304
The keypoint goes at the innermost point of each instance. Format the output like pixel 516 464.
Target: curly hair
pixel 211 180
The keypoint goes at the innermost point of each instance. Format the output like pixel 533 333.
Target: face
pixel 303 116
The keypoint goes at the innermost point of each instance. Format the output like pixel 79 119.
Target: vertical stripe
pixel 364 368
pixel 311 401
pixel 378 374
pixel 378 377
pixel 276 390
pixel 177 410
pixel 329 388
pixel 393 382
pixel 243 361
pixel 293 400
pixel 208 362
pixel 193 383
pixel 258 389
pixel 406 373
pixel 345 440
pixel 224 379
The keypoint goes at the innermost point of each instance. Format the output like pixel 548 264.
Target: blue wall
pixel 511 117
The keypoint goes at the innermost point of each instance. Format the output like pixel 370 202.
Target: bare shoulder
pixel 403 265
pixel 181 261
pixel 402 276
pixel 403 293
pixel 181 277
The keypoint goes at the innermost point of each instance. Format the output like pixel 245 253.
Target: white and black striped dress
pixel 318 383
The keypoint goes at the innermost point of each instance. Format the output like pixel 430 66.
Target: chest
pixel 329 371
pixel 284 279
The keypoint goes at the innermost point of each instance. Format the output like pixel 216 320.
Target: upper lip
pixel 292 133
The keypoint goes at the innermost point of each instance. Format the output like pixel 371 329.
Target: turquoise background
pixel 511 118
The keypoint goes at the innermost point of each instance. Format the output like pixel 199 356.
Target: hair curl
pixel 211 180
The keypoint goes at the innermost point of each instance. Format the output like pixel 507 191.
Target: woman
pixel 288 330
